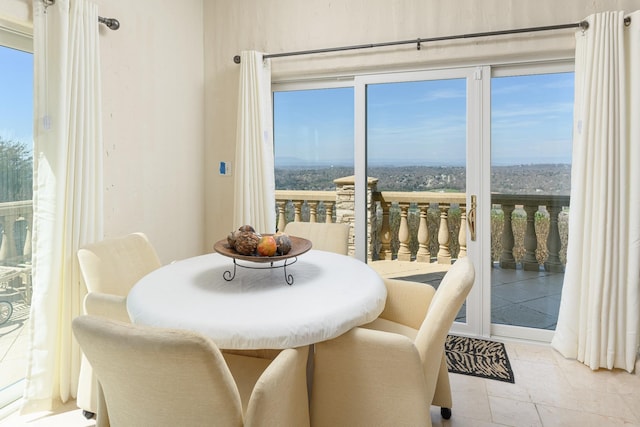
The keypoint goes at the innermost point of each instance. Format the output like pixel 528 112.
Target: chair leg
pixel 446 413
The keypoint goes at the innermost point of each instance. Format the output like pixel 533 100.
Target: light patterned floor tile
pixel 514 412
pixel 560 417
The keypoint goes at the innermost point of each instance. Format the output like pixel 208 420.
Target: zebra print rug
pixel 478 358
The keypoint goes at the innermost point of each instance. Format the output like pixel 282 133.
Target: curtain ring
pixel 418 44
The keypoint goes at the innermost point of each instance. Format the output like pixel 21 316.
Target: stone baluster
pixel 385 233
pixel 553 263
pixel 462 235
pixel 423 254
pixel 9 248
pixel 27 245
pixel 313 211
pixel 529 261
pixel 404 253
pixel 507 259
pixel 328 208
pixel 27 250
pixel 4 247
pixel 297 209
pixel 282 221
pixel 444 253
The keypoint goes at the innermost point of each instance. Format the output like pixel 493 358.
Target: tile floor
pixel 549 391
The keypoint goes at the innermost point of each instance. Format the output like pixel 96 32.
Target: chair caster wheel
pixel 446 413
pixel 88 415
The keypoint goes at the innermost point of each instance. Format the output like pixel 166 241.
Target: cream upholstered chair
pixel 371 377
pixel 330 237
pixel 404 312
pixel 166 377
pixel 110 268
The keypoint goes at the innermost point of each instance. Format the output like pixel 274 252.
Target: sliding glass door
pixel 439 165
pixel 419 131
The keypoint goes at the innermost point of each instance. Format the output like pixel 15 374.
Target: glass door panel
pixel 416 166
pixel 16 216
pixel 313 147
pixel 531 143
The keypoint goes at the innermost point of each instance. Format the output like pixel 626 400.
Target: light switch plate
pixel 225 168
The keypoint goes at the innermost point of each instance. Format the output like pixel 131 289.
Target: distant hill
pixel 517 179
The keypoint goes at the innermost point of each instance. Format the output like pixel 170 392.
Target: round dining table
pixel 257 308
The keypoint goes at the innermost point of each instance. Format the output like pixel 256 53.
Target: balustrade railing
pixel 15 232
pixel 527 230
pixel 541 236
pixel 420 226
pixel 15 251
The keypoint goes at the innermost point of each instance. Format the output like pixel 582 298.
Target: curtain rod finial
pixel 236 59
pixel 111 23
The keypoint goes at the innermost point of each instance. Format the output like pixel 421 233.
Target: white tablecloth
pixel 331 294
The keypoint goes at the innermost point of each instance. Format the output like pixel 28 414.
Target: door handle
pixel 471 218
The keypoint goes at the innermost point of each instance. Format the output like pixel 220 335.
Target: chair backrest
pixel 158 377
pixel 444 307
pixel 330 237
pixel 113 266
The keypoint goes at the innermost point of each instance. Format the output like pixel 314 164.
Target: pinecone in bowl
pixel 246 242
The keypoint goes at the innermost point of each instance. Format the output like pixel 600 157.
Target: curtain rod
pixel 582 24
pixel 111 23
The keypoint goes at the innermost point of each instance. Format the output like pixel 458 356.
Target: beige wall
pixel 19 11
pixel 153 103
pixel 291 25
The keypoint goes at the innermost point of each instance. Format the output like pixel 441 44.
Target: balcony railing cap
pixel 351 180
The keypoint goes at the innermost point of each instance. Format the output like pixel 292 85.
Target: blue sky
pixel 532 119
pixel 425 123
pixel 417 123
pixel 16 96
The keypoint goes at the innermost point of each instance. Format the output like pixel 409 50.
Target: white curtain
pixel 254 187
pixel 67 190
pixel 599 317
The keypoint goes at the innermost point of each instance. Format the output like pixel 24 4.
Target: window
pixel 16 207
pixel 313 143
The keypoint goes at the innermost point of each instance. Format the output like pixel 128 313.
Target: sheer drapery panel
pixel 68 211
pixel 254 185
pixel 599 317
